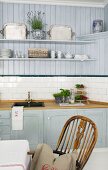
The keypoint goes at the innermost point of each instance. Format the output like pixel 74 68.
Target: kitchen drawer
pixel 4 122
pixel 4 130
pixel 4 114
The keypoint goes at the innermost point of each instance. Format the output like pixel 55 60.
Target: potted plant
pixel 65 94
pixel 80 98
pixel 79 86
pixel 35 20
pixel 62 96
pixel 58 97
pixel 80 93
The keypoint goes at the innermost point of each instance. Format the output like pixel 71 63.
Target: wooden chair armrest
pixel 54 151
pixel 58 152
pixel 31 153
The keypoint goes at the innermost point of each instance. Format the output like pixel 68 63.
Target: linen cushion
pixel 47 161
pixel 36 156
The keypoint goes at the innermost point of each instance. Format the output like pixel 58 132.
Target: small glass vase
pixel 38 34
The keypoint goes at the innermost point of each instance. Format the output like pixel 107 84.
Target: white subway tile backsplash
pixel 19 96
pixel 10 85
pixel 1 85
pixel 97 91
pixel 13 88
pixel 101 80
pixel 12 79
pixel 6 80
pixel 107 91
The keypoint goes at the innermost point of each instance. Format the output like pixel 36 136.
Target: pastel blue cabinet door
pixel 33 128
pixel 5 123
pixel 107 127
pixel 54 121
pixel 99 117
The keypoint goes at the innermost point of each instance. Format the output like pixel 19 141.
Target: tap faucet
pixel 29 100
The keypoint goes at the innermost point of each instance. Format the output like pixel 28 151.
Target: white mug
pixel 53 54
pixel 59 54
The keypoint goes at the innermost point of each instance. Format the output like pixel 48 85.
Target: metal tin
pixel 14 31
pixel 59 32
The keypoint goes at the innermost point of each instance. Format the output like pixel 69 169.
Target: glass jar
pixel 72 96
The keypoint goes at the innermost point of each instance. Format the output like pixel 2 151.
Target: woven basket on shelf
pixel 38 53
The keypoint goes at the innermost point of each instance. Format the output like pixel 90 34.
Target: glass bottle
pixel 72 96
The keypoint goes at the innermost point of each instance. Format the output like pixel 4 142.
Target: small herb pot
pixel 66 99
pixel 58 100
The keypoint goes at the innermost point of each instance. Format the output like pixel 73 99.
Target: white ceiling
pixel 92 3
pixel 100 1
pixel 89 0
pixel 97 1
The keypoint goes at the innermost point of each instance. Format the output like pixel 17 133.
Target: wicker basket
pixel 38 53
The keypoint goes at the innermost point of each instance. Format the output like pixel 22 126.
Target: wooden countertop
pixel 50 104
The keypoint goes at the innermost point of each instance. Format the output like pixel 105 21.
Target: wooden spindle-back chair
pixel 79 133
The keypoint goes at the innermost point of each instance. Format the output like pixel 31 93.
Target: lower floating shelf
pixel 48 41
pixel 46 59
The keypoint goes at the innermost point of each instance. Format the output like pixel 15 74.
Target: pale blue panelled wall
pixel 106 39
pixel 106 17
pixel 80 19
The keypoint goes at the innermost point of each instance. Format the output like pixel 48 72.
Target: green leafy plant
pixel 35 19
pixel 57 95
pixel 65 92
pixel 62 96
pixel 80 97
pixel 36 24
pixel 79 86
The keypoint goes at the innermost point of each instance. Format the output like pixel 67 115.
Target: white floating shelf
pixel 93 37
pixel 46 59
pixel 78 42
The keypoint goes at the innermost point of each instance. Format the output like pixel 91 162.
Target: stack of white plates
pixel 5 53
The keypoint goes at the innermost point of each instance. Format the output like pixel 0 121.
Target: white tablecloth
pixel 13 155
pixel 98 160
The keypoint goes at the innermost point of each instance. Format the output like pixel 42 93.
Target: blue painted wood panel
pixel 79 18
pixel 106 17
pixel 59 117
